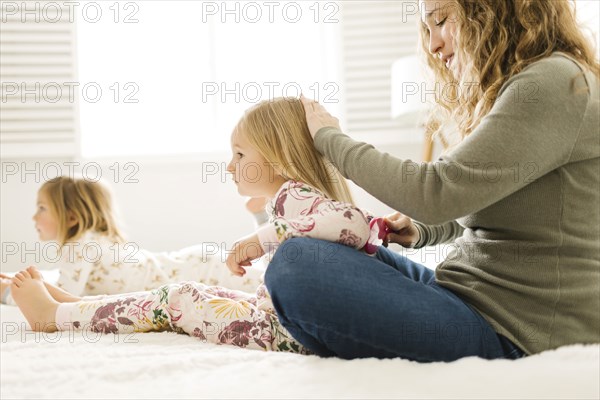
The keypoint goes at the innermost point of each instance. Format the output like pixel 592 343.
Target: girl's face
pixel 440 17
pixel 252 173
pixel 45 221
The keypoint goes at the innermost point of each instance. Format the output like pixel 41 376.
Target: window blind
pixel 374 35
pixel 38 80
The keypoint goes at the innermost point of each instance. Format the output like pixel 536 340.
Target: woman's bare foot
pixel 58 294
pixel 34 301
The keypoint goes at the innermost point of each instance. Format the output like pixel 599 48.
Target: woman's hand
pixel 243 253
pixel 405 233
pixel 317 116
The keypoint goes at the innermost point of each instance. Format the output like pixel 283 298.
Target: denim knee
pixel 289 264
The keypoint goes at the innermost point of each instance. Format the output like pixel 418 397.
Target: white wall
pixel 170 206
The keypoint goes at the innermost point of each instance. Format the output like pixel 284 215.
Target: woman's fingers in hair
pixel 309 104
pixel 317 116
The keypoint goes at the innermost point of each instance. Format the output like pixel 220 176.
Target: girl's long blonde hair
pixel 88 202
pixel 277 129
pixel 494 41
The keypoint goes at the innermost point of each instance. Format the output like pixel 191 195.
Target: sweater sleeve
pixel 300 210
pixel 430 235
pixel 521 139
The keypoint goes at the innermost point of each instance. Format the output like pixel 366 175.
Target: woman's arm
pixel 531 130
pixel 430 235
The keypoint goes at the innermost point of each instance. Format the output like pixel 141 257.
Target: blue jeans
pixel 339 302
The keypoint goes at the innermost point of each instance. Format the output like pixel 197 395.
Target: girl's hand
pixel 244 251
pixel 317 116
pixel 405 233
pixel 256 204
pixel 5 282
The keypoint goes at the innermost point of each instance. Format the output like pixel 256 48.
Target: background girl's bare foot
pixel 58 294
pixel 34 301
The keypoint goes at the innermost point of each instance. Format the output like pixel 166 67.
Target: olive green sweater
pixel 518 201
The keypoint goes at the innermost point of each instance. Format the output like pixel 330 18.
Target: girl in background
pixel 308 198
pixel 95 258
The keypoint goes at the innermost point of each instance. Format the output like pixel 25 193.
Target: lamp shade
pixel 408 90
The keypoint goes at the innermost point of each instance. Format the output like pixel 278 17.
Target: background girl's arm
pixel 430 235
pixel 300 210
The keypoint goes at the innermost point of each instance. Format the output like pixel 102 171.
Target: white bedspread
pixel 168 365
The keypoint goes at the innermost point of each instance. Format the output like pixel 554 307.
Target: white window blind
pixel 37 72
pixel 374 35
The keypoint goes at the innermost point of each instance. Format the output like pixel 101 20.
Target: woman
pixel 517 195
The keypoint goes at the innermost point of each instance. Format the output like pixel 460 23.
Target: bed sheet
pixel 159 365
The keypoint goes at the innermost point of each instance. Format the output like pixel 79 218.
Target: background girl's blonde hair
pixel 494 41
pixel 89 202
pixel 278 130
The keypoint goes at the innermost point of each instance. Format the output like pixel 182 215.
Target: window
pixel 37 54
pixel 176 76
pixel 169 77
pixel 374 35
pixel 587 14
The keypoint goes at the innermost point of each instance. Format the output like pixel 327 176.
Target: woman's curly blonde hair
pixel 495 40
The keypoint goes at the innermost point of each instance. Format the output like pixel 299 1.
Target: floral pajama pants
pixel 211 313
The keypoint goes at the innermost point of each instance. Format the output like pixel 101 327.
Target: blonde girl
pixel 308 198
pixel 95 258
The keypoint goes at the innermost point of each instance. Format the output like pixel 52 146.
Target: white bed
pixel 168 365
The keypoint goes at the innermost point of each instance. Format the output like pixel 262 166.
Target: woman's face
pixel 440 18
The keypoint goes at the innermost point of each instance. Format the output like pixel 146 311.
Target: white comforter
pixel 168 365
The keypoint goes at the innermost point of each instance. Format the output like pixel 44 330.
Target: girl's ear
pixel 71 219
